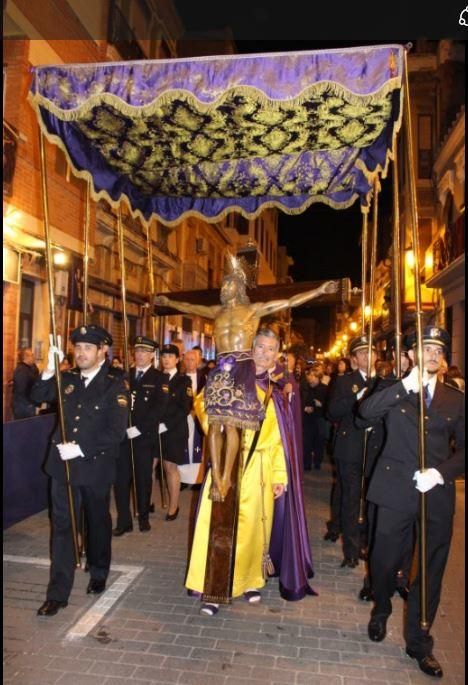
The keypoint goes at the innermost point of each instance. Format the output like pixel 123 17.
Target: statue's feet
pixel 215 494
pixel 224 487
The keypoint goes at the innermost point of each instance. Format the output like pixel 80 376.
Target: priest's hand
pixel 278 490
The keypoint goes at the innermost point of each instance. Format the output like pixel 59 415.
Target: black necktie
pixel 427 396
pixel 139 375
pixel 83 380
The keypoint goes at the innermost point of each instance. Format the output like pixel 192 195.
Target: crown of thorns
pixel 238 267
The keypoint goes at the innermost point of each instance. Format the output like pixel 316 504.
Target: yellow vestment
pixel 269 457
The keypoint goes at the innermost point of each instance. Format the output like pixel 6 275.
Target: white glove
pixel 53 350
pixel 427 480
pixel 133 432
pixel 361 393
pixel 317 403
pixel 162 428
pixel 69 450
pixel 411 382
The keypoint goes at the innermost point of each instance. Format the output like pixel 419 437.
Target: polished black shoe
pixel 377 628
pixel 144 526
pixel 403 591
pixel 350 563
pixel 365 594
pixel 333 537
pixel 428 664
pixel 120 531
pixel 151 508
pixel 51 607
pixel 95 587
pixel 363 554
pixel 172 517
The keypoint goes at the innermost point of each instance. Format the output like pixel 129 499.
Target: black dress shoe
pixel 350 563
pixel 363 554
pixel 428 664
pixel 51 607
pixel 333 537
pixel 151 508
pixel 120 531
pixel 144 526
pixel 95 587
pixel 403 592
pixel 377 628
pixel 365 594
pixel 172 517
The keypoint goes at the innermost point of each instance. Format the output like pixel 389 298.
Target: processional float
pixel 239 133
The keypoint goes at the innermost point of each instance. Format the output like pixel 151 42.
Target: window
pixel 424 146
pixel 26 314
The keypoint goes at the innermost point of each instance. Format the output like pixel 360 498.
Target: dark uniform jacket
pixel 176 399
pixel 96 418
pixel 349 439
pixel 147 406
pixel 24 378
pixel 392 483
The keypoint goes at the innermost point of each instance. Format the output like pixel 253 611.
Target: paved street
pixel 145 629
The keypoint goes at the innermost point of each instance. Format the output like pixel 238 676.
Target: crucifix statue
pixel 231 401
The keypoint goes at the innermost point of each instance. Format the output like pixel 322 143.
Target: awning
pixel 206 136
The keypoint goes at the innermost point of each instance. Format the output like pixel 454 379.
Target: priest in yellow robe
pixel 264 479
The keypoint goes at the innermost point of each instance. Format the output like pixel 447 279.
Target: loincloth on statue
pixel 231 394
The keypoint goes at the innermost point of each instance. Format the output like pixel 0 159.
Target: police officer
pixel 395 484
pixel 376 437
pixel 95 406
pixel 145 382
pixel 176 397
pixel 348 449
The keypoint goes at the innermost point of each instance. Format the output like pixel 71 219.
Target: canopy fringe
pixel 148 109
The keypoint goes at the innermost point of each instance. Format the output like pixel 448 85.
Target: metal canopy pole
pixel 364 240
pixel 417 291
pixel 373 260
pixel 151 313
pixel 50 286
pixel 125 340
pixel 86 255
pixel 396 264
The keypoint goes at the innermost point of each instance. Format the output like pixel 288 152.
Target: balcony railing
pixel 121 36
pixel 447 248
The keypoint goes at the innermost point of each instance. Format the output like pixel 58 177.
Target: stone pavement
pixel 145 629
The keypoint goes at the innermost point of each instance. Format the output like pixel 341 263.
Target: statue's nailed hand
pixel 161 300
pixel 330 287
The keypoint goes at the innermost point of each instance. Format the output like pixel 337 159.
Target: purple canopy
pixel 211 135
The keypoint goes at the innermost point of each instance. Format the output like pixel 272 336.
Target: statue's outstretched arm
pixel 327 288
pixel 187 307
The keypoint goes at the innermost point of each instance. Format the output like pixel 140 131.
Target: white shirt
pixel 193 376
pixel 171 373
pixel 430 385
pixel 88 377
pixel 143 371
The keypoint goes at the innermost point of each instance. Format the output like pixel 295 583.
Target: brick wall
pixel 10 309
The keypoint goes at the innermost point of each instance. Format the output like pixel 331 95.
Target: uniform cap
pixel 360 343
pixel 146 343
pixel 91 334
pixel 431 335
pixel 171 349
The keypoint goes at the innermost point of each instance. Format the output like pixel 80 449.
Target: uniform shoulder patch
pixel 122 401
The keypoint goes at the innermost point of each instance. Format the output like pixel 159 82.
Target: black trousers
pixel 394 531
pixel 334 524
pixel 143 455
pixel 95 501
pixel 354 534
